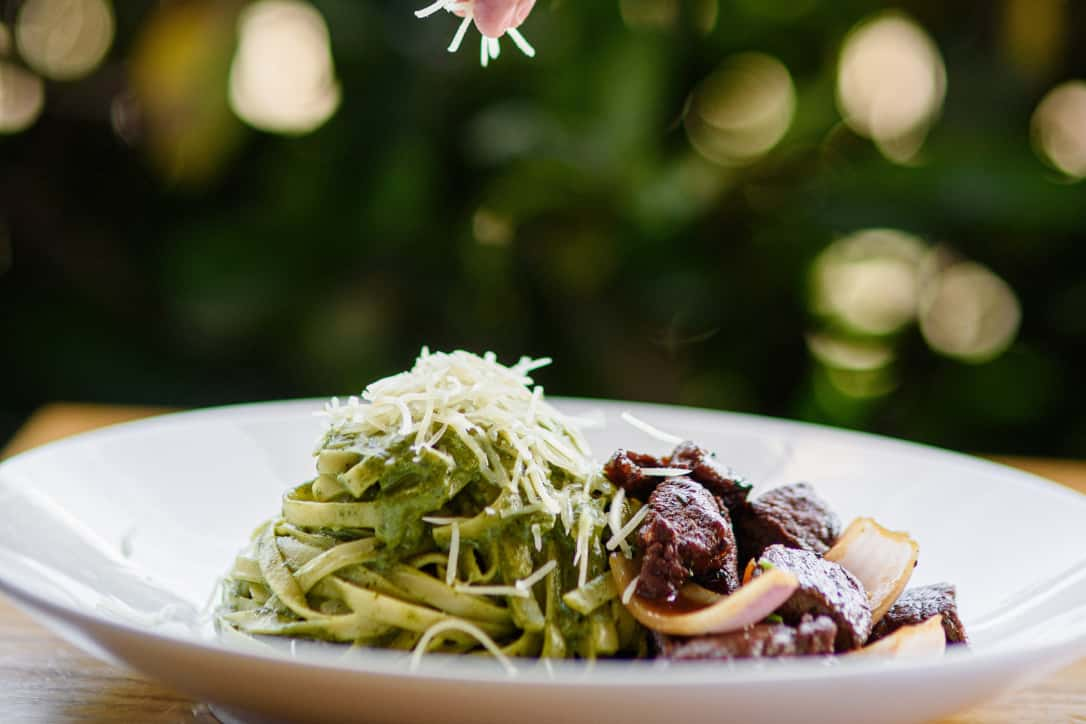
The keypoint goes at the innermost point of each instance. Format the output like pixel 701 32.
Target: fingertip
pixel 523 9
pixel 494 17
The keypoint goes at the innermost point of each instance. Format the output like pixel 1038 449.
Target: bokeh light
pixel 891 82
pixel 705 15
pixel 848 354
pixel 969 313
pixel 857 368
pixel 741 111
pixel 701 15
pixel 176 106
pixel 862 384
pixel 868 281
pixel 777 9
pixel 22 96
pixel 64 39
pixel 649 13
pixel 282 78
pixel 492 228
pixel 1035 34
pixel 1059 128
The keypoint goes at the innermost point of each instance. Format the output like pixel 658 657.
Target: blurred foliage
pixel 155 249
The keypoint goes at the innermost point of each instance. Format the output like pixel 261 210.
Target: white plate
pixel 116 539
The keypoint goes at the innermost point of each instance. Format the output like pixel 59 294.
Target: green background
pixel 223 264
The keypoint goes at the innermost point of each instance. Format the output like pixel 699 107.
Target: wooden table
pixel 44 679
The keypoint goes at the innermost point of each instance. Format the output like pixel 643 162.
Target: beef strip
pixel 710 472
pixel 686 534
pixel 792 515
pixel 813 636
pixel 824 588
pixel 624 470
pixel 917 605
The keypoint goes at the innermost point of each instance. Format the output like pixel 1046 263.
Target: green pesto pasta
pixel 452 510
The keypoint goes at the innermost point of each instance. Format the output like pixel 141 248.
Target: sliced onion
pixel 746 606
pixel 922 639
pixel 882 560
pixel 699 594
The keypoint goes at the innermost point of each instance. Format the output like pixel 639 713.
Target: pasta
pixel 453 510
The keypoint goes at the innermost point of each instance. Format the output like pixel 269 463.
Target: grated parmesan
pixel 455 624
pixel 584 532
pixel 526 583
pixel 628 592
pixel 454 555
pixel 631 524
pixel 438 520
pixel 491 590
pixel 614 520
pixel 650 430
pixel 483 404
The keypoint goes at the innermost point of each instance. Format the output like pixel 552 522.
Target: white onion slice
pixel 882 560
pixel 922 639
pixel 699 594
pixel 746 606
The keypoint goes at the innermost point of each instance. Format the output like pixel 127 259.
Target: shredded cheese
pixel 405 417
pixel 526 584
pixel 455 624
pixel 524 510
pixel 614 519
pixel 537 394
pixel 631 524
pixel 488 407
pixel 650 430
pixel 584 532
pixel 491 590
pixel 628 592
pixel 454 555
pixel 438 520
pixel 567 511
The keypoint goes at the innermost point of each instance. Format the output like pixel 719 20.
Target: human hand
pixel 494 17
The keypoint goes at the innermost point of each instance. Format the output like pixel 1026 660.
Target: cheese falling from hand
pixel 489 48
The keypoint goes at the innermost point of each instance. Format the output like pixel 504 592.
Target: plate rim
pixel 695 674
pixel 634 674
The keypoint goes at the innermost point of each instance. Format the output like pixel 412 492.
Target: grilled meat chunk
pixel 824 588
pixel 792 515
pixel 717 478
pixel 917 605
pixel 812 636
pixel 686 534
pixel 624 470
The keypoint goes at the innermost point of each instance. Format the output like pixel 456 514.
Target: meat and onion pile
pixel 715 574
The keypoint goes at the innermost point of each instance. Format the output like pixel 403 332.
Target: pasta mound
pixel 453 509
